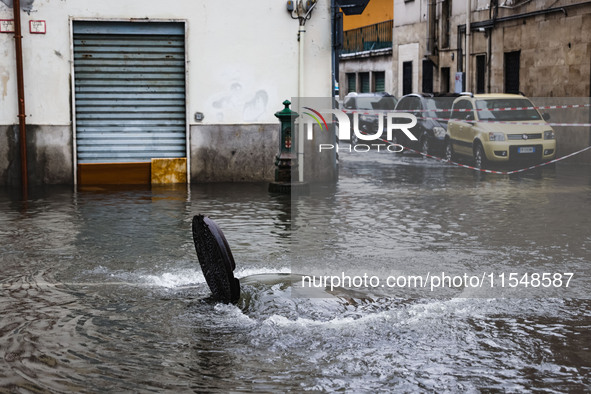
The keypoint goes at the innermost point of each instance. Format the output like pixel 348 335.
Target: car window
pixel 350 103
pixel 439 107
pixel 411 104
pixel 462 105
pixel 376 102
pixel 402 104
pixel 485 107
pixel 385 104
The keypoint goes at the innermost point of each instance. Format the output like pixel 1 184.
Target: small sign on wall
pixel 6 25
pixel 37 27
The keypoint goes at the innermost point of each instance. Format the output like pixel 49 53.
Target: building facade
pixel 366 57
pixel 123 83
pixel 541 49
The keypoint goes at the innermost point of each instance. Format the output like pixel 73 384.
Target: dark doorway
pixel 406 78
pixel 427 76
pixel 480 73
pixel 445 76
pixel 512 72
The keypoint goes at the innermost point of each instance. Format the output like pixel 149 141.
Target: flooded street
pixel 101 290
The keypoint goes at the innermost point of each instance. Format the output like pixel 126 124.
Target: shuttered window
pixel 351 83
pixel 129 91
pixel 364 82
pixel 380 81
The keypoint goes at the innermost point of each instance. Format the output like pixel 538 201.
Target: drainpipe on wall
pixel 301 74
pixel 492 15
pixel 304 12
pixel 431 20
pixel 468 33
pixel 18 44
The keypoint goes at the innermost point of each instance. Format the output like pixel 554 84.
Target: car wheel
pixel 449 151
pixel 479 156
pixel 425 145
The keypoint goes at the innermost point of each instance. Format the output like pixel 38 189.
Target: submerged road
pixel 101 290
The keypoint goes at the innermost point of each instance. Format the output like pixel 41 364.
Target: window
pixel 463 115
pixel 350 103
pixel 485 106
pixel 379 81
pixel 403 104
pixel 439 107
pixel 351 82
pixel 364 82
pixel 414 104
pixel 445 25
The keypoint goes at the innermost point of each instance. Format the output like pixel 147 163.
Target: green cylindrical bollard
pixel 286 161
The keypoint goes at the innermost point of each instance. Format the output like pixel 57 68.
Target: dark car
pixel 432 113
pixel 360 102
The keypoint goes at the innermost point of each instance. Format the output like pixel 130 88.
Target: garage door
pixel 129 96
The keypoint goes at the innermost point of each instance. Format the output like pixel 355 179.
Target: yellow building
pixel 375 12
pixel 366 56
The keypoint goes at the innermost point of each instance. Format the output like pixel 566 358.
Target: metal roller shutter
pixel 129 91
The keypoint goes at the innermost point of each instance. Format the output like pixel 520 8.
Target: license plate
pixel 526 149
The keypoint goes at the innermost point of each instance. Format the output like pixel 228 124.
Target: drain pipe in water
pixel 18 44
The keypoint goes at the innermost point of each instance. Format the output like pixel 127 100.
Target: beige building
pixel 541 48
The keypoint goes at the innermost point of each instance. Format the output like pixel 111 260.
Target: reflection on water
pixel 101 289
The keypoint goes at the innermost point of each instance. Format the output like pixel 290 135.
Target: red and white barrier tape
pixel 499 172
pixel 513 122
pixel 373 112
pixel 485 170
pixel 471 121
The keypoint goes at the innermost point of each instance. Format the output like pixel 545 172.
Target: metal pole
pixel 21 97
pixel 301 74
pixel 468 33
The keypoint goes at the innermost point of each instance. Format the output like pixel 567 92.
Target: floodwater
pixel 101 289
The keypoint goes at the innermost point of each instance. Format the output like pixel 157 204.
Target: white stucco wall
pixel 408 53
pixel 235 49
pixel 409 12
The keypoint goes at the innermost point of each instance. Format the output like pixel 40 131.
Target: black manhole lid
pixel 216 260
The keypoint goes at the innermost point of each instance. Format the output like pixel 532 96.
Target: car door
pixel 460 132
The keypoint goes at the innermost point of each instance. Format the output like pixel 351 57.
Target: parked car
pixel 486 133
pixel 432 113
pixel 368 123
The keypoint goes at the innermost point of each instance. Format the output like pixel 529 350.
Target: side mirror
pixel 546 116
pixel 469 116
